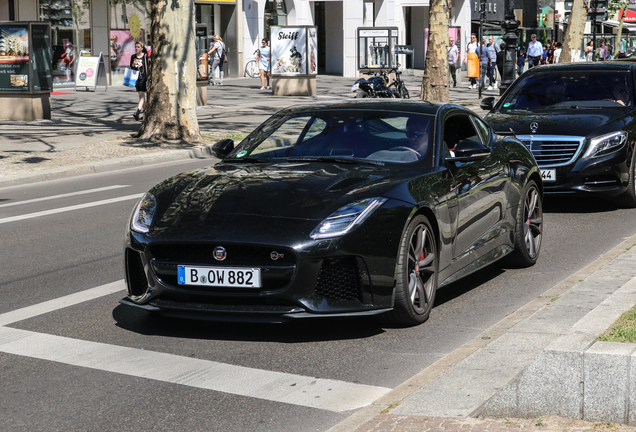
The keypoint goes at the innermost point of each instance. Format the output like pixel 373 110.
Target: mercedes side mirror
pixel 488 103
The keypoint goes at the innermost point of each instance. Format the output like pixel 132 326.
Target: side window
pixel 459 127
pixel 483 129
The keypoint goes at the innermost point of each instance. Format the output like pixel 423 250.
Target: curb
pixel 107 166
pixel 402 400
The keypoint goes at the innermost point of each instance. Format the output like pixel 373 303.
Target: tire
pixel 415 275
pixel 251 69
pixel 628 198
pixel 361 94
pixel 404 93
pixel 528 228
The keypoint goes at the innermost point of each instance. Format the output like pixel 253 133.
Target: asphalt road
pixel 97 365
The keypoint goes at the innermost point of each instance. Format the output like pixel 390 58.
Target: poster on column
pixel 312 42
pixel 14 57
pixel 289 51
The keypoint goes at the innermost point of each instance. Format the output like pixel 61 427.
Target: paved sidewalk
pixel 97 127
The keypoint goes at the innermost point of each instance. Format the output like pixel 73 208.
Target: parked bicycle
pixel 251 68
pixel 377 86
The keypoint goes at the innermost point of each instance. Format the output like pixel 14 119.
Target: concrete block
pixel 25 107
pixel 202 93
pixel 294 86
pixel 631 382
pixel 606 369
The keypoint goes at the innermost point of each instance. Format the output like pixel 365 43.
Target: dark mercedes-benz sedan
pixel 362 208
pixel 578 121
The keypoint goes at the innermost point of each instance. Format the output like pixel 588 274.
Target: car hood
pixel 553 122
pixel 306 191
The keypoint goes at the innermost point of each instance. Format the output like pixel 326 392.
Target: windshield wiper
pixel 349 160
pixel 248 159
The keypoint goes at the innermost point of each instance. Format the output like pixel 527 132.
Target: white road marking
pixel 69 208
pixel 319 393
pixel 66 195
pixel 61 302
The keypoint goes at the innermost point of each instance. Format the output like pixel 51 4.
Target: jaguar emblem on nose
pixel 533 127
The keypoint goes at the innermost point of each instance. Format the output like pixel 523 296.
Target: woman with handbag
pixel 217 51
pixel 139 62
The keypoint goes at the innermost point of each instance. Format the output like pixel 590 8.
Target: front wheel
pixel 528 228
pixel 415 275
pixel 628 198
pixel 404 92
pixel 251 69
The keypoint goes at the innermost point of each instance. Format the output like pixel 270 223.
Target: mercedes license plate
pixel 237 277
pixel 548 175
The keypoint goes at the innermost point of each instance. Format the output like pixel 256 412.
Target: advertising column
pixel 14 57
pixel 293 60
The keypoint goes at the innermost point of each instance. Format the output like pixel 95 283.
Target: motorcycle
pixel 377 86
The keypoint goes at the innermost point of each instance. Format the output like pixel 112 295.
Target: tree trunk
pixel 435 79
pixel 574 35
pixel 170 111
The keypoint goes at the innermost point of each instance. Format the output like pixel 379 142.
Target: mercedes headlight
pixel 606 144
pixel 143 214
pixel 346 218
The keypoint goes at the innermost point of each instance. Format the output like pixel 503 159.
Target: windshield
pixel 570 89
pixel 346 135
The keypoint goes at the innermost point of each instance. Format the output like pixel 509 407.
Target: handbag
pixel 130 77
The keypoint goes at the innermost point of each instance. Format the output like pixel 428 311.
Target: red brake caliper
pixel 417 265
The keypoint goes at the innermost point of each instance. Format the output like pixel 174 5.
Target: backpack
pixel 223 55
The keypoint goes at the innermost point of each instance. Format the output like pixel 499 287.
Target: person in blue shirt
pixel 521 61
pixel 535 50
pixel 484 62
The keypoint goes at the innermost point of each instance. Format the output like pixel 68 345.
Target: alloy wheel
pixel 532 222
pixel 421 268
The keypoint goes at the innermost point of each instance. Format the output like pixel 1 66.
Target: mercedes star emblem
pixel 533 127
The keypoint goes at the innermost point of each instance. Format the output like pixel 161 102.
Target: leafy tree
pixel 435 78
pixel 613 6
pixel 574 35
pixel 170 111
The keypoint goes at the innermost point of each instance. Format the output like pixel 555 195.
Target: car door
pixel 480 188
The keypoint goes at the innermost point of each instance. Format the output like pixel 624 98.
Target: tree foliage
pixel 613 6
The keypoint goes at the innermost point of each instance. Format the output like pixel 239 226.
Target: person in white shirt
pixel 453 52
pixel 535 50
pixel 471 48
pixel 557 52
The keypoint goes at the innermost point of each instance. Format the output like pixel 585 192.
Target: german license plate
pixel 235 277
pixel 548 175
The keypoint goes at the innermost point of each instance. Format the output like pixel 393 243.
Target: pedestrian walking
pixel 492 63
pixel 602 50
pixel 535 50
pixel 471 48
pixel 557 52
pixel 263 61
pixel 484 63
pixel 216 53
pixel 453 52
pixel 521 61
pixel 139 62
pixel 589 51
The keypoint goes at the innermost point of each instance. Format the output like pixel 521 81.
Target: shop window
pixel 70 35
pixel 275 15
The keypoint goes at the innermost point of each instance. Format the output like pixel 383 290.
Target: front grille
pixel 276 273
pixel 203 253
pixel 339 279
pixel 553 150
pixel 137 282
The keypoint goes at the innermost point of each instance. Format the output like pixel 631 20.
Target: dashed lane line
pixel 69 208
pixel 66 195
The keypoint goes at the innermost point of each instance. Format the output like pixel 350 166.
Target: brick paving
pixel 399 423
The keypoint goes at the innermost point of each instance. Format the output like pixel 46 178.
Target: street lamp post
pixel 510 26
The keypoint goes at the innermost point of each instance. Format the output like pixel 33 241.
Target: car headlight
pixel 606 144
pixel 346 218
pixel 143 214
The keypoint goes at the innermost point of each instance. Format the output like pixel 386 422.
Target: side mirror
pixel 487 104
pixel 223 148
pixel 468 150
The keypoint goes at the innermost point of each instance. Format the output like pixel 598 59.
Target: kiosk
pixel 25 71
pixel 293 63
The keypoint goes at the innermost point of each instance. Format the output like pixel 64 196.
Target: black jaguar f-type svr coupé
pixel 356 208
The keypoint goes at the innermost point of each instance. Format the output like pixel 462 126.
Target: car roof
pixel 414 106
pixel 616 65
